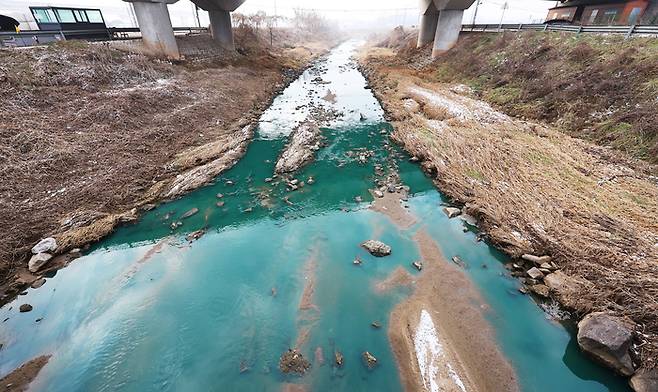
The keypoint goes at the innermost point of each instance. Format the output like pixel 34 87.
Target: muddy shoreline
pixel 197 167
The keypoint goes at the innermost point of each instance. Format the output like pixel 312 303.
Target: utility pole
pixel 196 13
pixel 505 6
pixel 475 14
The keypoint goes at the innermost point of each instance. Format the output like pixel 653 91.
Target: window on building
pixel 94 16
pixel 634 15
pixel 44 16
pixel 609 16
pixel 592 17
pixel 81 16
pixel 65 16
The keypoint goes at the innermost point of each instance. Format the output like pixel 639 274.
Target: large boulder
pixel 37 261
pixel 567 289
pixel 607 339
pixel 377 248
pixel 645 380
pixel 45 245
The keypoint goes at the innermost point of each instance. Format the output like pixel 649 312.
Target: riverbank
pixel 440 337
pixel 534 190
pixel 92 136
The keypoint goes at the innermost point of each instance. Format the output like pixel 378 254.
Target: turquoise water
pixel 146 309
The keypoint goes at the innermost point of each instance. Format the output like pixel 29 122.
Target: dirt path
pixel 536 191
pixel 91 135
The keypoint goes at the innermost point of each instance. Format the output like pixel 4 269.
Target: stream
pixel 146 309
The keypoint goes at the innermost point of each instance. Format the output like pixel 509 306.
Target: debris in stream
pixel 339 359
pixel 273 292
pixel 375 325
pixel 175 225
pixel 458 260
pixel 190 213
pixel 310 181
pixel 418 265
pixel 195 235
pixel 24 308
pixel 377 248
pixel 220 204
pixel 369 360
pixel 452 212
pixel 243 367
pixel 292 361
pixel 357 261
pixel 220 195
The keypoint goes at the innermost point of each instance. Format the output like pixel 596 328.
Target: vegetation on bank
pixel 86 130
pixel 534 189
pixel 599 88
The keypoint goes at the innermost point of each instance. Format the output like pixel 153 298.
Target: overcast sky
pixel 367 13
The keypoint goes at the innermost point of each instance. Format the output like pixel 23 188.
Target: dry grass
pixel 537 190
pixel 599 88
pixel 87 130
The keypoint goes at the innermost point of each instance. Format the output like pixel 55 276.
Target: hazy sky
pixel 367 13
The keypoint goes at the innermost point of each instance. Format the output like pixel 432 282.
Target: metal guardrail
pixel 628 31
pixel 37 37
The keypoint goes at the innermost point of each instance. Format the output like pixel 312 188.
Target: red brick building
pixel 604 12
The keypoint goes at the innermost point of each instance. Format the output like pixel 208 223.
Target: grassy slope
pixel 603 89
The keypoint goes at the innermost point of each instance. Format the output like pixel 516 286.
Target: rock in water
pixel 645 380
pixel 458 261
pixel 37 261
pixel 38 283
pixel 25 308
pixel 418 265
pixel 45 245
pixel 607 339
pixel 540 290
pixel 189 213
pixel 339 358
pixel 377 248
pixel 370 360
pixel 292 361
pixel 304 141
pixel 452 212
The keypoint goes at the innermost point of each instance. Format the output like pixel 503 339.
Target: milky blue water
pixel 147 310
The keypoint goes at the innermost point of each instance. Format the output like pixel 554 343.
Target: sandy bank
pixel 20 379
pixel 440 337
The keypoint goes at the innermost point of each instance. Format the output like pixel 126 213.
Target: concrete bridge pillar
pixel 221 28
pixel 447 31
pixel 428 22
pixel 155 26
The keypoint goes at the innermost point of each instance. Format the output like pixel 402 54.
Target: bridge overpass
pixel 157 31
pixel 440 22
